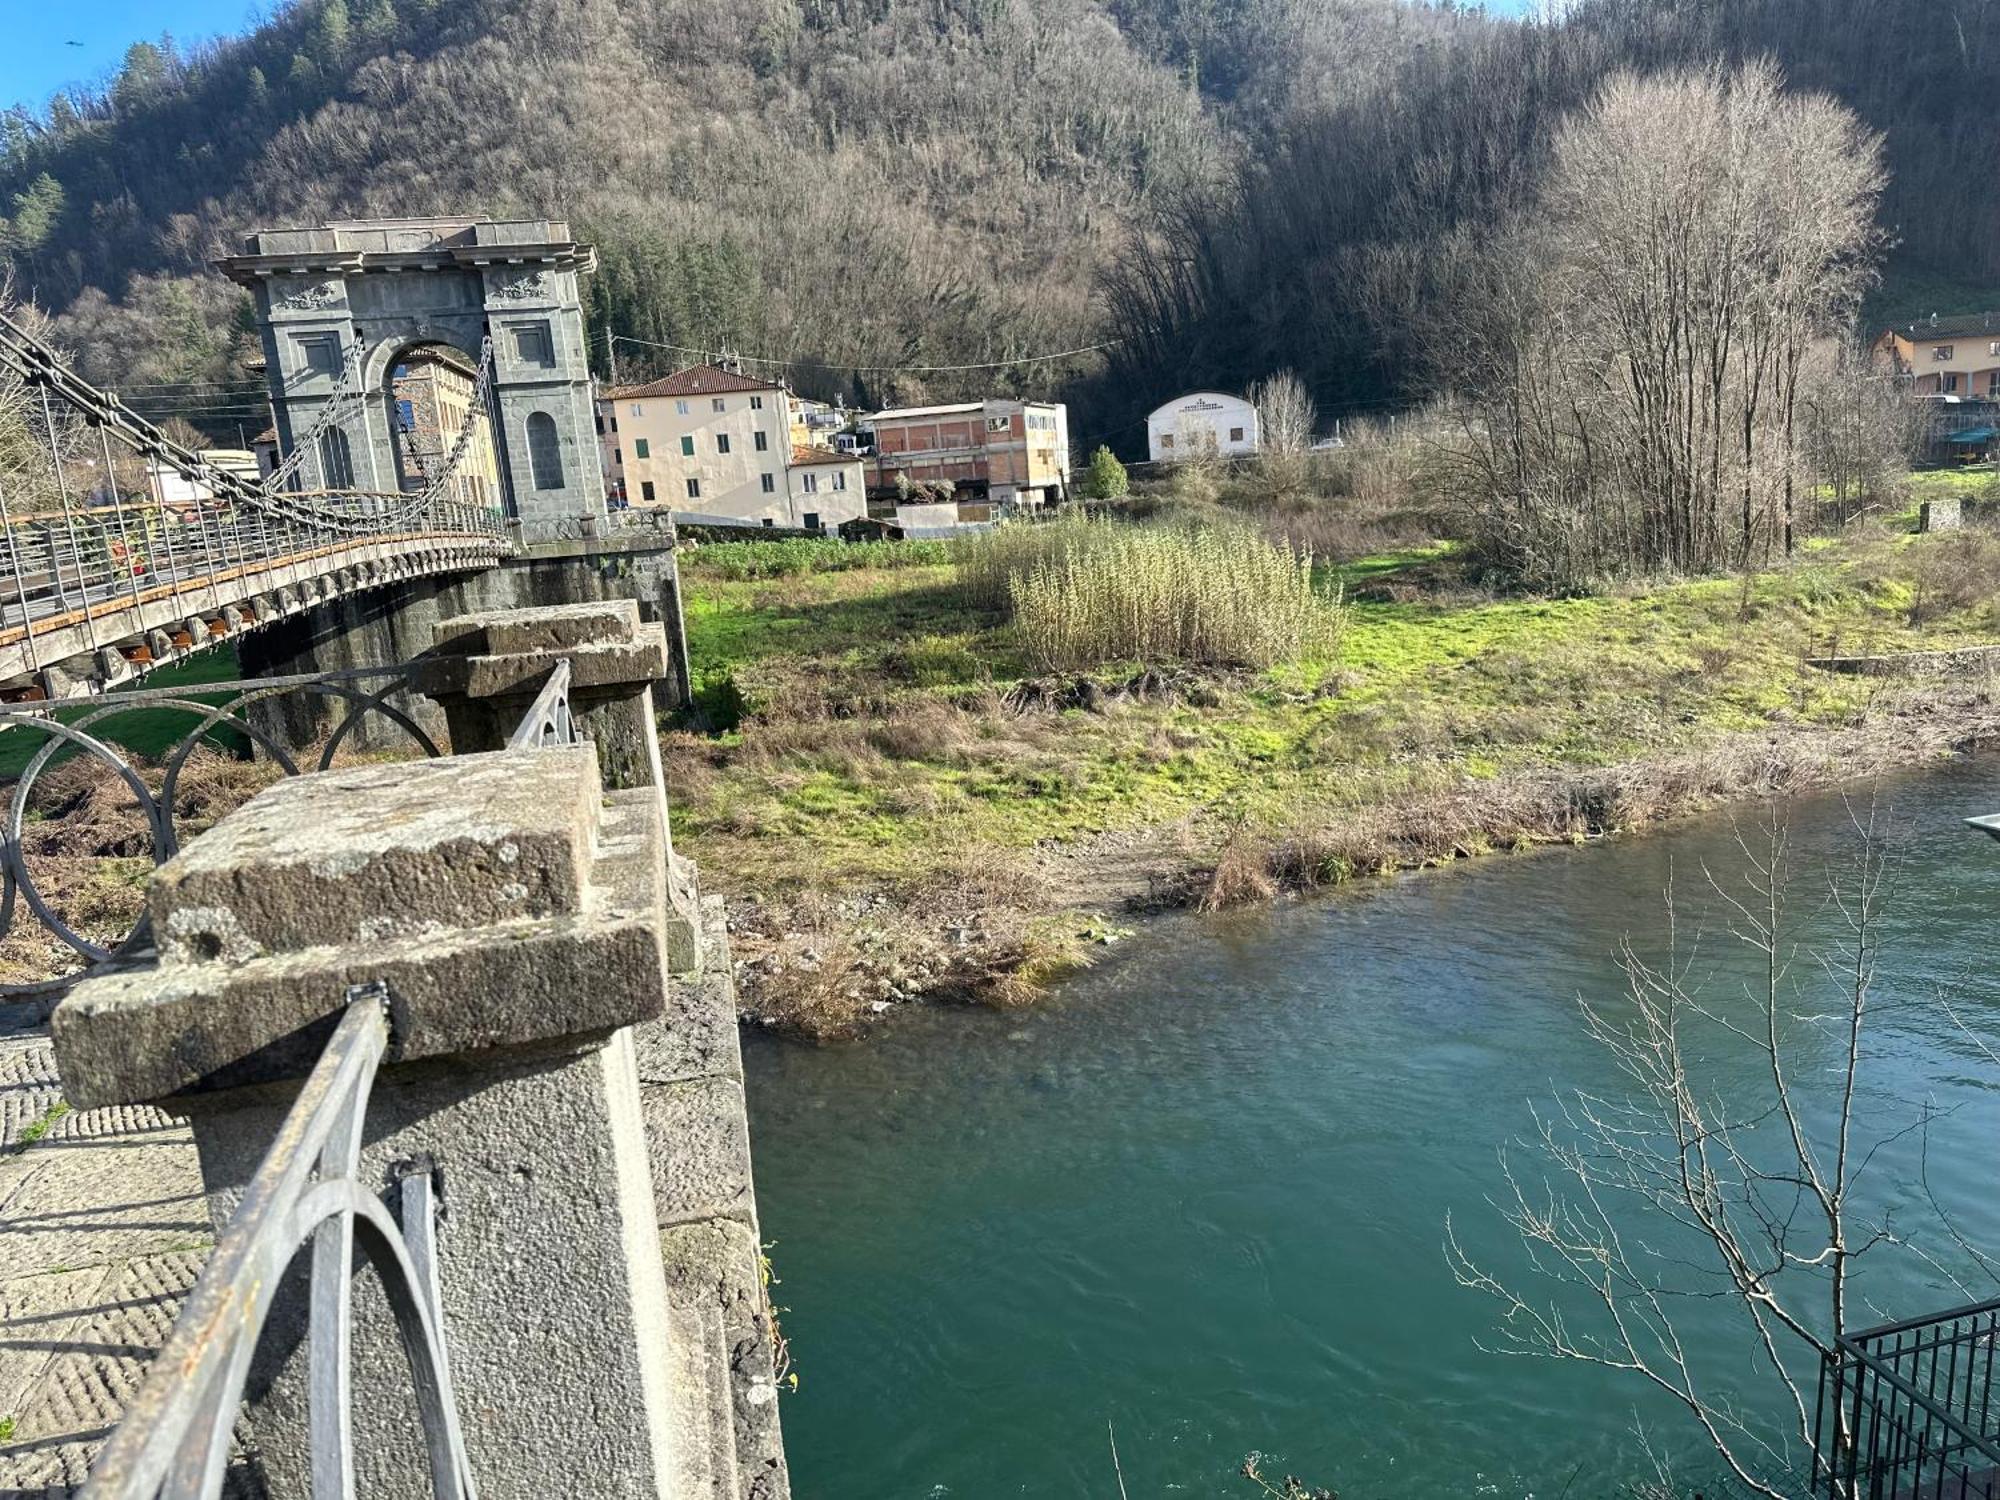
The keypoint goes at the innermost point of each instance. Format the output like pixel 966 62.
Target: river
pixel 1200 1194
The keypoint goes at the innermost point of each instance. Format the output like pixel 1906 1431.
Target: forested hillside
pixel 1227 186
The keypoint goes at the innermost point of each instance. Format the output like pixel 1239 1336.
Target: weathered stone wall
pixel 387 626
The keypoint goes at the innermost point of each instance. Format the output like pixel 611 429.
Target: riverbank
pixel 901 807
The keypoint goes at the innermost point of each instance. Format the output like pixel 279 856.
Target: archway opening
pixel 433 394
pixel 544 451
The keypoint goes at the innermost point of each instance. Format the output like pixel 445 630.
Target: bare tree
pixel 1635 350
pixel 1285 421
pixel 1672 1195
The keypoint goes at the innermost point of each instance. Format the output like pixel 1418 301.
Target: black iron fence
pixel 1908 1411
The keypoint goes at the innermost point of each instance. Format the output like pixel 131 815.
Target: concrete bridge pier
pixel 398 623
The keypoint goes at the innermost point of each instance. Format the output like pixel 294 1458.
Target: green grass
pixel 45 1124
pixel 6 1429
pixel 877 745
pixel 145 731
pixel 793 557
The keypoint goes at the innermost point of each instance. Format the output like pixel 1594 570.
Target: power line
pixel 990 364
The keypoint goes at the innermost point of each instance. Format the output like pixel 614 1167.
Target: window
pixel 1942 351
pixel 694 489
pixel 1994 347
pixel 617 457
pixel 1950 384
pixel 722 442
pixel 544 452
pixel 1236 434
pixel 756 403
pixel 996 424
pixel 533 345
pixel 1993 384
pixel 600 421
pixel 680 408
pixel 769 522
pixel 811 485
pixel 769 484
pixel 336 460
pixel 760 441
pixel 812 520
pixel 646 491
pixel 687 446
pixel 641 448
pixel 1166 441
pixel 614 421
pixel 406 415
pixel 637 411
pixel 840 479
pixel 320 354
pixel 718 404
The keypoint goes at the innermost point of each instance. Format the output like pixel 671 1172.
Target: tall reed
pixel 1083 592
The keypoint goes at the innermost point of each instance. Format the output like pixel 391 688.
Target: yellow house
pixel 710 442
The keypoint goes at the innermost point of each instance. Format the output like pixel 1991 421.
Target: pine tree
pixel 376 24
pixel 256 90
pixel 332 32
pixel 1105 478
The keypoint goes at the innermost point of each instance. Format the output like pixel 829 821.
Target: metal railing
pixel 174 1440
pixel 547 721
pixel 1909 1411
pixel 220 712
pixel 80 536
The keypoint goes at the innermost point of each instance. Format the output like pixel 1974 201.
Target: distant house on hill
pixel 1948 356
pixel 996 452
pixel 1201 423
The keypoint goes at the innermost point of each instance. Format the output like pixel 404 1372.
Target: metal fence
pixel 42 738
pixel 174 1442
pixel 1908 1411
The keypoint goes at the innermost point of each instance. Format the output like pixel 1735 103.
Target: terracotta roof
pixel 803 456
pixel 268 435
pixel 696 380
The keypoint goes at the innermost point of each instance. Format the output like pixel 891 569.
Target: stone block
pixel 379 851
pixel 553 630
pixel 699 1137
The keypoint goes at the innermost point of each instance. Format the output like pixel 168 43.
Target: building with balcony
pixel 996 452
pixel 1945 356
pixel 714 444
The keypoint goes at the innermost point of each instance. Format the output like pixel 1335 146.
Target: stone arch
pixel 376 288
pixel 544 451
pixel 425 385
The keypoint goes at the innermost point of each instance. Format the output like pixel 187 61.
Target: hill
pixel 1227 186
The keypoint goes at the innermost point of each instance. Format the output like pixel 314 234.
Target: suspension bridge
pixel 122 549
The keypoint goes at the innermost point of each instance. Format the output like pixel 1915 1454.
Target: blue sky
pixel 37 59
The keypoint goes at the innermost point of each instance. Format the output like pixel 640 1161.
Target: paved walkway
pixel 102 1229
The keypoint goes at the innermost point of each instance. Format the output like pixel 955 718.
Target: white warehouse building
pixel 1201 422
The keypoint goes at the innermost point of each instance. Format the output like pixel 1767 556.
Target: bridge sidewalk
pixel 103 1227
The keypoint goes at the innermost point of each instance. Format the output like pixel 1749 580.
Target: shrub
pixel 1083 592
pixel 1105 478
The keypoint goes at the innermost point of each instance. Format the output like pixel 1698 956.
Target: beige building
pixel 434 392
pixel 1949 356
pixel 706 442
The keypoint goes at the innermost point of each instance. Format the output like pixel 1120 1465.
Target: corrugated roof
pixel 696 380
pixel 897 414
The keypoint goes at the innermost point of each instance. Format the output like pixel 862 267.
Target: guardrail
pixel 174 1441
pixel 1908 1411
pixel 220 710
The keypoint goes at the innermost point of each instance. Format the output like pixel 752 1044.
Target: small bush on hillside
pixel 793 556
pixel 1105 479
pixel 1083 592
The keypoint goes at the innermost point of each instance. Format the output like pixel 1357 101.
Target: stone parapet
pixel 517 913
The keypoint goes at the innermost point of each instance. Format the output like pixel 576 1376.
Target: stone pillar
pixel 485 670
pixel 515 910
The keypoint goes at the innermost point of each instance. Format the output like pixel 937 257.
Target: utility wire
pixel 990 364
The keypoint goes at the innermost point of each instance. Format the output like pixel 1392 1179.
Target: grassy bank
pixel 907 804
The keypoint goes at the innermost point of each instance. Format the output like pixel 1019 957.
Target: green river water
pixel 1200 1195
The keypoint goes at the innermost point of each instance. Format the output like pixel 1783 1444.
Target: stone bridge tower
pixel 344 302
